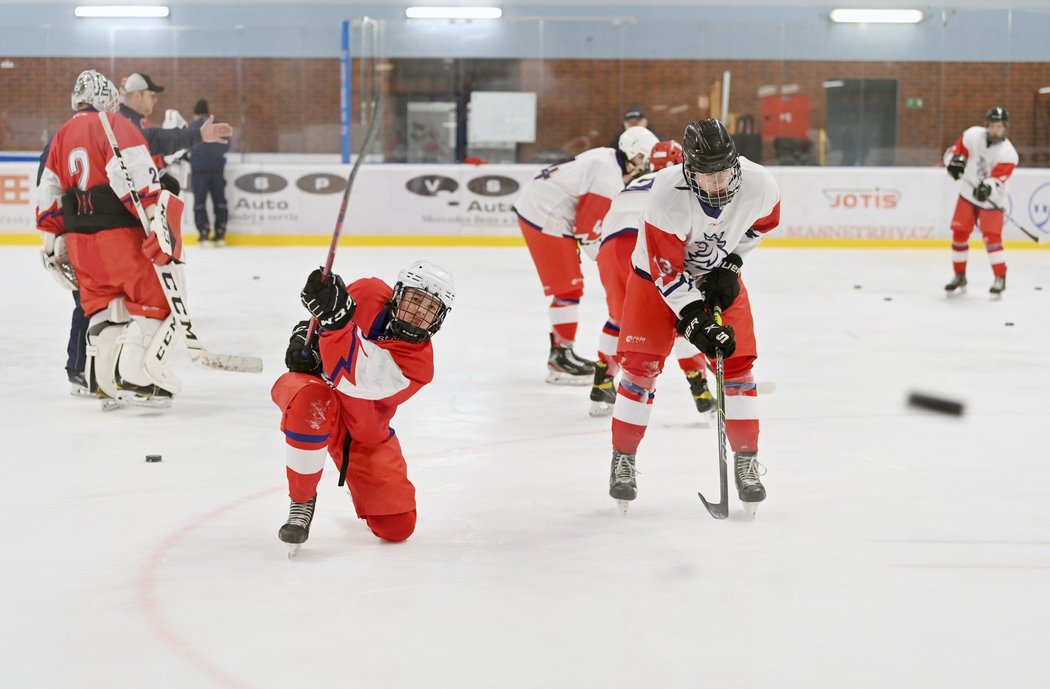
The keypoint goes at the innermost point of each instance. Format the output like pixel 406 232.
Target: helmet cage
pixel 708 152
pixel 94 89
pixel 423 296
pixel 997 114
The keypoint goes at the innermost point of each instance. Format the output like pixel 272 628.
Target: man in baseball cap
pixel 140 93
pixel 634 117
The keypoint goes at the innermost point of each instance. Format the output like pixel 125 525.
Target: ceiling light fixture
pixel 122 11
pixel 453 12
pixel 841 16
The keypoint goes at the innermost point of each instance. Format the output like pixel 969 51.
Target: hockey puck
pixel 255 277
pixel 152 458
pixel 1009 323
pixel 887 298
pixel 856 286
pixel 1038 288
pixel 938 404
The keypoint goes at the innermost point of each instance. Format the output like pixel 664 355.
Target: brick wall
pixel 292 105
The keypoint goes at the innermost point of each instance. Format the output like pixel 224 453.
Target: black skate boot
pixel 565 368
pixel 220 235
pixel 297 529
pixel 204 234
pixel 623 486
pixel 998 285
pixel 748 485
pixel 78 385
pixel 705 402
pixel 603 392
pixel 958 283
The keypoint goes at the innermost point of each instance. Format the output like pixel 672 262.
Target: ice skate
pixel 219 239
pixel 78 386
pixel 748 485
pixel 203 240
pixel 958 283
pixel 297 529
pixel 702 397
pixel 623 486
pixel 565 368
pixel 603 392
pixel 998 285
pixel 151 396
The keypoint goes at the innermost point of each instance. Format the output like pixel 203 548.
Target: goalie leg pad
pixel 142 362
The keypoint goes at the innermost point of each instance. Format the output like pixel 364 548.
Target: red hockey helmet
pixel 665 153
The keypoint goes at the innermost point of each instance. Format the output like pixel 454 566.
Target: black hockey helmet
pixel 997 114
pixel 711 166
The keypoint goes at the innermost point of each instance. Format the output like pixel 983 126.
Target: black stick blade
pixel 718 510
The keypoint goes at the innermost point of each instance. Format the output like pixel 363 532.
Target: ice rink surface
pixel 897 548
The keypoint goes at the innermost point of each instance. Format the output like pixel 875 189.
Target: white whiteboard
pixel 501 116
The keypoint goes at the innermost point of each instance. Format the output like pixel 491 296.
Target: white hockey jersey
pixel 570 199
pixel 625 213
pixel 683 240
pixel 991 164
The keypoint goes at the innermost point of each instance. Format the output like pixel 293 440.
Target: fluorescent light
pixel 876 16
pixel 123 11
pixel 1045 90
pixel 453 12
pixel 833 84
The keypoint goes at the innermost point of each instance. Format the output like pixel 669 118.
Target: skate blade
pixel 145 402
pixel 110 404
pixel 82 392
pixel 561 378
pixel 751 508
pixel 601 409
pixel 623 505
pixel 293 550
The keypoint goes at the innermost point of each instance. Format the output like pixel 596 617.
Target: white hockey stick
pixel 169 282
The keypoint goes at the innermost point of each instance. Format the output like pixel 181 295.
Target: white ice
pixel 897 548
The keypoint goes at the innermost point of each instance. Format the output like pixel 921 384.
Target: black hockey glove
pixel 328 301
pixel 298 360
pixel 698 326
pixel 956 166
pixel 981 192
pixel 722 285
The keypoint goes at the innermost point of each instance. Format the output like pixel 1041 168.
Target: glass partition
pixel 784 111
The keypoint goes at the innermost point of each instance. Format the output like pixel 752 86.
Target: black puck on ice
pixel 152 458
pixel 856 286
pixel 1009 323
pixel 932 403
pixel 255 277
pixel 887 298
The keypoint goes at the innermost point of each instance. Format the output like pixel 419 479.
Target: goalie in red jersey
pixel 373 352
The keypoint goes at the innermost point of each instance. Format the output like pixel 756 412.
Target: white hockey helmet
pixel 637 141
pixel 423 296
pixel 94 89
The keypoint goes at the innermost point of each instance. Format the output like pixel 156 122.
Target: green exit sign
pixel 913 103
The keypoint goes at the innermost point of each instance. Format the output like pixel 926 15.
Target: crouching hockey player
pixel 343 387
pixel 94 240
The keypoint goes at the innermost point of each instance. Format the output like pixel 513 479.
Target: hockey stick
pixel 720 509
pixel 169 282
pixel 373 127
pixel 1034 238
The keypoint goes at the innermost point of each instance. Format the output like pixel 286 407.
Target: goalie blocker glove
pixel 327 300
pixel 721 286
pixel 700 328
pixel 300 358
pixel 981 192
pixel 956 166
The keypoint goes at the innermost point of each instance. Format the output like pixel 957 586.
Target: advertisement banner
pixel 462 201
